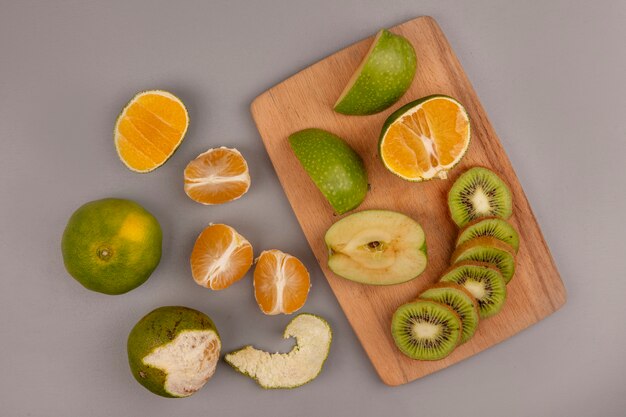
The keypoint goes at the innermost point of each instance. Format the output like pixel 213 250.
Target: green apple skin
pixel 335 168
pixel 382 78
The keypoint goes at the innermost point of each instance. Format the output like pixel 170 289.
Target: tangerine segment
pixel 217 176
pixel 150 129
pixel 425 138
pixel 220 257
pixel 281 282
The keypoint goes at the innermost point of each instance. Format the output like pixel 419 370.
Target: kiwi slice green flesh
pixel 458 299
pixel 426 330
pixel 492 227
pixel 484 282
pixel 479 192
pixel 489 250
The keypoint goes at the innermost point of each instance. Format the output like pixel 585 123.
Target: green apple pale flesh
pixel 173 351
pixel 335 168
pixel 287 370
pixel 376 247
pixel 383 76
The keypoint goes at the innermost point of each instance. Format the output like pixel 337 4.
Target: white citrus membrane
pixel 288 370
pixel 188 361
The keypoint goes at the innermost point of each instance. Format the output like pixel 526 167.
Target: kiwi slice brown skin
pixel 460 300
pixel 491 303
pixel 403 329
pixel 491 227
pixel 490 250
pixel 479 192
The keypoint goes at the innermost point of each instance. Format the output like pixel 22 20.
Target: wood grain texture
pixel 306 99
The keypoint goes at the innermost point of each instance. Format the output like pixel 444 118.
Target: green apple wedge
pixel 335 168
pixel 377 247
pixel 383 76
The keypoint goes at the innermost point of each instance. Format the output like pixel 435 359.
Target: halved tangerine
pixel 220 257
pixel 150 129
pixel 281 282
pixel 425 138
pixel 217 176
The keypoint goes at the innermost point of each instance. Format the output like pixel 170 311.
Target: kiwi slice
pixel 458 299
pixel 426 330
pixel 483 281
pixel 479 192
pixel 489 250
pixel 489 226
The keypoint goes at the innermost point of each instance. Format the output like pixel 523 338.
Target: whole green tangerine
pixel 111 245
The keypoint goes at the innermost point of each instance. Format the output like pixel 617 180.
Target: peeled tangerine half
pixel 377 247
pixel 150 129
pixel 281 282
pixel 425 138
pixel 288 370
pixel 220 257
pixel 217 176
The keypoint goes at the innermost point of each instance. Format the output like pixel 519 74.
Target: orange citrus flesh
pixel 220 257
pixel 150 129
pixel 427 140
pixel 217 176
pixel 281 282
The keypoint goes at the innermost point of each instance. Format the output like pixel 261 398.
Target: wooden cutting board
pixel 306 99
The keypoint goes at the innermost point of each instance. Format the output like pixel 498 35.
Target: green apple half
pixel 335 168
pixel 377 247
pixel 383 76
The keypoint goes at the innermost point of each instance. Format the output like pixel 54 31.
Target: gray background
pixel 549 73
